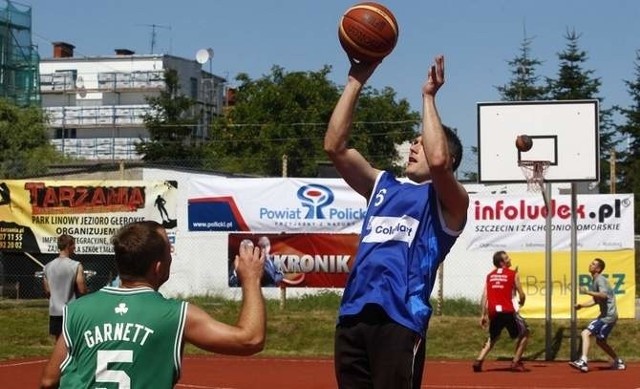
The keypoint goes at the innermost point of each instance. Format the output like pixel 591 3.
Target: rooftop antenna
pixel 154 34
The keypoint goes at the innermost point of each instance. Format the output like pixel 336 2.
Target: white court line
pixel 22 363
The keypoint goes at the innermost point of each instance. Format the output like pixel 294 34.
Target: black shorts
pixel 512 321
pixel 55 325
pixel 371 350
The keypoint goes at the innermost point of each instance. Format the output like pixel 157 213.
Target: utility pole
pixel 612 164
pixel 283 288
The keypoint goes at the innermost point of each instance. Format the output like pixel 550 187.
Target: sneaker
pixel 477 366
pixel 580 364
pixel 618 364
pixel 518 367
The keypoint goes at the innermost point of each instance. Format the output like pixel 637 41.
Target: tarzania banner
pixel 33 213
pixel 515 223
pixel 300 260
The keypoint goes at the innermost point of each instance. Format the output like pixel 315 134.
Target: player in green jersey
pixel 132 336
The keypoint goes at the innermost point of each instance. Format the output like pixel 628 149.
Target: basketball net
pixel 534 172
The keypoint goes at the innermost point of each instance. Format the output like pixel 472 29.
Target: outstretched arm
pixel 247 336
pixel 452 196
pixel 351 165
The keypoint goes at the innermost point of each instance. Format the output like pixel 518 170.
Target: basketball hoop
pixel 534 172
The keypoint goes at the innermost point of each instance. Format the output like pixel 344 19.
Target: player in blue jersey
pixel 408 230
pixel 131 336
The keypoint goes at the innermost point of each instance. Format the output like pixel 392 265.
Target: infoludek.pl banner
pixel 604 222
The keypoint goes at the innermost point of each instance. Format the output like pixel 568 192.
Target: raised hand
pixel 361 71
pixel 249 263
pixel 435 77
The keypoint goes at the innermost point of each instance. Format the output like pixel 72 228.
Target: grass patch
pixel 24 329
pixel 306 325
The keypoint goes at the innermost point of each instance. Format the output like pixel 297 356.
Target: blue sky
pixel 477 37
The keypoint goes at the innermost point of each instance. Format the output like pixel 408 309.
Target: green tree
pixel 524 84
pixel 471 176
pixel 286 113
pixel 629 161
pixel 25 147
pixel 573 82
pixel 170 123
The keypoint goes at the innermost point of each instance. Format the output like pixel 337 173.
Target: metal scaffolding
pixel 19 60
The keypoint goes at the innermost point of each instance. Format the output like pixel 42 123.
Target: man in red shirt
pixel 499 310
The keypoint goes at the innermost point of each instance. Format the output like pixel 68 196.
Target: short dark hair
pixel 455 146
pixel 600 264
pixel 497 258
pixel 137 246
pixel 65 241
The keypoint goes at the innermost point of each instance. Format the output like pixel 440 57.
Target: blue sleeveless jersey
pixel 402 242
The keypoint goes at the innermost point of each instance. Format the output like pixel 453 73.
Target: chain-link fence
pixel 21 273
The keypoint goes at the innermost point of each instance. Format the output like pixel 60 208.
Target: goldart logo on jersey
pixel 383 229
pixel 315 209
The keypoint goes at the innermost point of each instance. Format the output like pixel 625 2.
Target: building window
pixel 194 88
pixel 65 133
pixel 64 79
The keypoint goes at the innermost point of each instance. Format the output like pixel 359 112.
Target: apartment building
pixel 96 104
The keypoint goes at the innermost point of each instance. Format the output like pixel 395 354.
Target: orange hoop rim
pixel 529 163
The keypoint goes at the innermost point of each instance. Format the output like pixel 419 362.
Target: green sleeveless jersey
pixel 123 339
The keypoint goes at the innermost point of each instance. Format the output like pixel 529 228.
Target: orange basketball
pixel 524 142
pixel 368 32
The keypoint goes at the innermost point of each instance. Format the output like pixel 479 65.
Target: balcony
pixel 71 82
pixel 98 149
pixel 97 116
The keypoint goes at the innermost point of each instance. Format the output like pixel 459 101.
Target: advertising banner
pixel 517 223
pixel 299 260
pixel 274 204
pixel 33 213
pixel 619 271
pixel 314 213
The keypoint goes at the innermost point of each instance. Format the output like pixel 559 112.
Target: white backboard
pixel 565 133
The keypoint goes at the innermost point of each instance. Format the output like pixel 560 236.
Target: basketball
pixel 524 142
pixel 368 32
